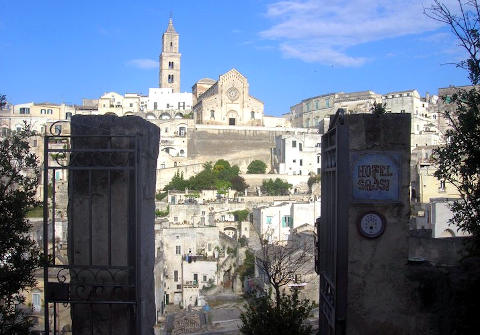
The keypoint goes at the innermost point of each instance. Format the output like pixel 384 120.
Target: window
pixel 162 166
pixel 179 286
pixel 181 105
pixel 318 170
pixel 175 275
pixel 223 217
pixel 25 110
pixel 36 302
pixel 170 65
pixel 204 278
pixel 181 131
pixel 287 221
pixel 178 250
pixel 182 152
pixel 402 111
pixel 212 115
pixel 131 105
pixel 269 219
pixel 155 105
pixel 209 246
pixel 58 129
pixel 294 144
pixel 294 160
pixel 35 143
pixel 175 218
pixel 301 162
pixel 318 159
pixel 252 115
pixel 300 147
pixel 43 111
pixel 170 78
pixel 195 278
pixel 5 131
pixel 68 115
pixel 442 185
pixel 49 111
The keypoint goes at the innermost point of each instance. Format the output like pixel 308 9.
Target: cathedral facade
pixel 226 101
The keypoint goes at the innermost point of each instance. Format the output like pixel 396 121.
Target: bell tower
pixel 169 73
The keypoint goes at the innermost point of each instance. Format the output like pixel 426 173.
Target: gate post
pixel 111 224
pixel 363 238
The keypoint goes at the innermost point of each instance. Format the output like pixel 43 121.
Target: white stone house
pixel 298 154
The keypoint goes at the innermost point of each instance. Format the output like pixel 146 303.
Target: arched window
pixel 182 152
pixel 212 115
pixel 170 78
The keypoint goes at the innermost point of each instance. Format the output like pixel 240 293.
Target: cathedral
pixel 223 102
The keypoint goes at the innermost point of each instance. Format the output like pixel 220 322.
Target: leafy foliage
pixel 378 108
pixel 465 25
pixel 275 187
pixel 313 180
pixel 19 255
pixel 162 213
pixel 220 177
pixel 256 167
pixel 247 269
pixel 160 196
pixel 241 215
pixel 239 184
pixel 458 161
pixel 263 316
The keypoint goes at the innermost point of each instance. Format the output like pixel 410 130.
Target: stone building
pixel 169 73
pixel 226 101
pixel 315 112
pixel 298 154
pixel 276 222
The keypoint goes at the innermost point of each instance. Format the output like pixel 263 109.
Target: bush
pixel 256 167
pixel 277 187
pixel 241 215
pixel 262 316
pixel 162 213
pixel 160 196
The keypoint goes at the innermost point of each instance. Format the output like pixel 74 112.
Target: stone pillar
pixel 111 199
pixel 378 293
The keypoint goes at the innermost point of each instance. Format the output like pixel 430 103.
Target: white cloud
pixel 324 30
pixel 143 63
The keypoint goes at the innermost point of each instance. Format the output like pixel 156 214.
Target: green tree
pixel 458 161
pixel 178 183
pixel 378 108
pixel 239 184
pixel 263 316
pixel 241 215
pixel 256 167
pixel 275 187
pixel 247 269
pixel 19 255
pixel 313 180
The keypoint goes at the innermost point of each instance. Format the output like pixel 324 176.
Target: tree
pixel 178 183
pixel 378 108
pixel 239 184
pixel 241 215
pixel 465 25
pixel 19 255
pixel 275 187
pixel 286 317
pixel 282 264
pixel 256 167
pixel 3 101
pixel 458 161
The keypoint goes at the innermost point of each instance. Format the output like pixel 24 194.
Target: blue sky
pixel 63 51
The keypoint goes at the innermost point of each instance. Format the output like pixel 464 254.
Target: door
pixel 231 121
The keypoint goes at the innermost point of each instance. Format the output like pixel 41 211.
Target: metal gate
pixel 332 228
pixel 83 295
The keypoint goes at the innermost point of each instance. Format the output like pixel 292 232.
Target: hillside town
pixel 230 182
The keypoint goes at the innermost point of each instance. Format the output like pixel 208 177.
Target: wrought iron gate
pixel 84 294
pixel 332 228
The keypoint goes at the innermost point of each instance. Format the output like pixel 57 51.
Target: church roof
pixel 170 28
